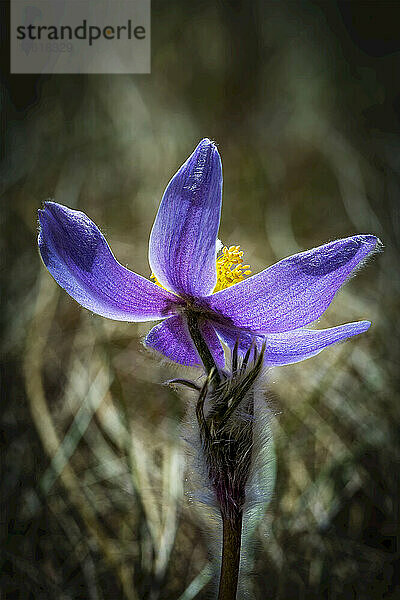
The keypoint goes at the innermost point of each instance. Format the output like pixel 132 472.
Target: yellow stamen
pixel 230 268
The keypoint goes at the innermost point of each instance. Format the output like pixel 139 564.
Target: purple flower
pixel 275 304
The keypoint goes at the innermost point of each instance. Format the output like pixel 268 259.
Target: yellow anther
pixel 230 267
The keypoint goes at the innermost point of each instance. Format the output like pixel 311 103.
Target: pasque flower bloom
pixel 275 304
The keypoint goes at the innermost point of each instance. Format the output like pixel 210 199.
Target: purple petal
pixel 294 291
pixel 80 260
pixel 182 247
pixel 297 345
pixel 171 338
pixel 294 346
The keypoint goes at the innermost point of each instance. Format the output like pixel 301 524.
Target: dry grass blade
pixel 41 322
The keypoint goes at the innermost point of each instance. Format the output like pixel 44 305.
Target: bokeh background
pixel 303 99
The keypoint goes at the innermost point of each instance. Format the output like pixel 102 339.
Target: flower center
pixel 230 268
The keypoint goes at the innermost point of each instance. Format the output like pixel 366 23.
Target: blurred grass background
pixel 303 99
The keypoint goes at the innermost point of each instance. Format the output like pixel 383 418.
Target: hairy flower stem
pixel 225 414
pixel 232 536
pixel 201 346
pixel 228 471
